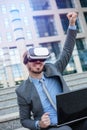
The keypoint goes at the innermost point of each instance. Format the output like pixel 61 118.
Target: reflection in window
pixel 83 3
pixel 0 39
pixel 6 21
pixel 23 8
pixel 2 67
pixel 16 64
pixel 17 72
pixel 65 23
pixel 85 14
pixel 29 36
pixel 54 48
pixel 79 29
pixel 45 26
pixel 82 51
pixel 14 55
pixel 14 14
pixel 64 4
pixel 26 22
pixel 9 37
pixel 70 69
pixel 3 8
pixel 40 4
pixel 12 6
pixel 2 74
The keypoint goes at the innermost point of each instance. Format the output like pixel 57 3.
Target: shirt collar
pixel 36 80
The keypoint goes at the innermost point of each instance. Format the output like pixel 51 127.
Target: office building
pixel 26 23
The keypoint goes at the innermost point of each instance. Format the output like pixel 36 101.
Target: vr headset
pixel 35 54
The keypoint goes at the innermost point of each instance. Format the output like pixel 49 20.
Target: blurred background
pixel 26 23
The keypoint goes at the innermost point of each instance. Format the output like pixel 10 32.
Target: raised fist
pixel 72 16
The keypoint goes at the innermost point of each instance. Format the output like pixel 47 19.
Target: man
pixel 36 111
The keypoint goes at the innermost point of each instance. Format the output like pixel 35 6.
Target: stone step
pixel 22 128
pixel 7 90
pixel 79 86
pixel 77 82
pixel 7 96
pixel 10 121
pixel 77 79
pixel 9 109
pixel 8 102
pixel 75 76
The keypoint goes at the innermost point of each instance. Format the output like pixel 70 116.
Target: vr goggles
pixel 36 53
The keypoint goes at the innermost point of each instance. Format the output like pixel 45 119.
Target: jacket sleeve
pixel 25 113
pixel 65 56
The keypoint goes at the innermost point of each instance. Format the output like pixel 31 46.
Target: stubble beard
pixel 38 71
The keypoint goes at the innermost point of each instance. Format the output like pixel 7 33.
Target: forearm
pixel 28 123
pixel 25 113
pixel 67 50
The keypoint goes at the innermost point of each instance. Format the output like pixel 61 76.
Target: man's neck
pixel 35 75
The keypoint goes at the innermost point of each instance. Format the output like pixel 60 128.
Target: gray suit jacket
pixel 27 95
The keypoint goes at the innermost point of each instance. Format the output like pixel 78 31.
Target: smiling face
pixel 35 68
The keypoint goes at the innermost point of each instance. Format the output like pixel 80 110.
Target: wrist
pixel 38 125
pixel 72 27
pixel 72 24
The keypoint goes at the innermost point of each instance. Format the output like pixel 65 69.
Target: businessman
pixel 36 110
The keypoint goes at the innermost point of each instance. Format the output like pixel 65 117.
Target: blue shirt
pixel 54 88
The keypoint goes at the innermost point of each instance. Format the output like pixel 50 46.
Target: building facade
pixel 26 23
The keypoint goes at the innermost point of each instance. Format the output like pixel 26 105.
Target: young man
pixel 36 111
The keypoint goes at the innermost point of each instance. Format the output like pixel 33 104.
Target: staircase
pixel 9 116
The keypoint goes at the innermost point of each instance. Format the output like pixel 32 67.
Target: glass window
pixel 6 21
pixel 3 8
pixel 82 51
pixel 65 3
pixel 1 53
pixel 16 23
pixel 79 29
pixel 17 71
pixel 54 48
pixel 65 23
pixel 14 55
pixel 40 4
pixel 85 14
pixel 13 6
pixel 2 73
pixel 70 69
pixel 2 67
pixel 0 39
pixel 29 36
pixel 45 26
pixel 79 44
pixel 26 22
pixel 9 37
pixel 83 3
pixel 22 6
pixel 15 14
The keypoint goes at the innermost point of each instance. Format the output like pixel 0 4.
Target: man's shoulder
pixel 21 88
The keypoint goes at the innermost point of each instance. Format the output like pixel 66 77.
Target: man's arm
pixel 25 113
pixel 69 43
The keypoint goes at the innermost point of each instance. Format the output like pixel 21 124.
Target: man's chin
pixel 37 72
